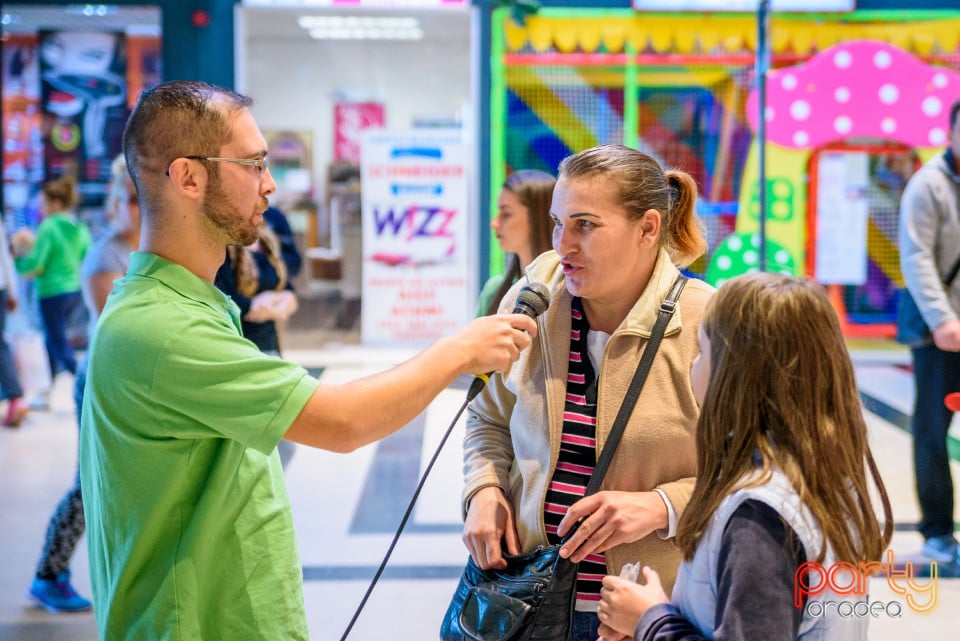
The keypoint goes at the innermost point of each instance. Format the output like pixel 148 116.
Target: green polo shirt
pixel 188 521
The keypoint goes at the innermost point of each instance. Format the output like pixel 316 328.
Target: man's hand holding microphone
pixel 532 301
pixel 493 342
pixel 375 406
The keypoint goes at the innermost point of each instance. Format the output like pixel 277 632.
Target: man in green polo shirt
pixel 188 522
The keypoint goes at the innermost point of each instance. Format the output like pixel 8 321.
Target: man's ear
pixel 188 177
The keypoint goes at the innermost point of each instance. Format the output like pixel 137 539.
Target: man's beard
pixel 233 226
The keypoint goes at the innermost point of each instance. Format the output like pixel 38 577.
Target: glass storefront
pixel 70 77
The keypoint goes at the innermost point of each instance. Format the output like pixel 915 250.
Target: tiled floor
pixel 347 506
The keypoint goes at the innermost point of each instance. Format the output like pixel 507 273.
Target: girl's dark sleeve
pixel 288 245
pixel 759 555
pixel 226 282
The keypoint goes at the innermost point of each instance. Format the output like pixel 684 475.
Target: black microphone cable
pixel 406 516
pixel 532 300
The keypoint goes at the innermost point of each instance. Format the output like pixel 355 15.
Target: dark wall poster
pixel 84 105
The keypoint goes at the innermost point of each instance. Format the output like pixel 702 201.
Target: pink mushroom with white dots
pixel 861 88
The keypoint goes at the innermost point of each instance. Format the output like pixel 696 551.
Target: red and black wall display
pixel 84 105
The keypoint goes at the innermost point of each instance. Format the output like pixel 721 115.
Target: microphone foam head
pixel 533 300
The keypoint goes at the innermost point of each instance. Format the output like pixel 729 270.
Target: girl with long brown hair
pixel 784 476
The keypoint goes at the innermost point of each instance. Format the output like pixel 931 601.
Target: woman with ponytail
pixel 623 229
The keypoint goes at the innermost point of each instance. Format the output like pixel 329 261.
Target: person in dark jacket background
pixel 257 277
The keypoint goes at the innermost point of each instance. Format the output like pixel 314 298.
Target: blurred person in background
pixel 929 250
pixel 9 378
pixel 523 228
pixel 53 258
pixel 105 262
pixel 257 278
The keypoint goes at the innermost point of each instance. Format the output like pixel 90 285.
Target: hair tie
pixel 674 189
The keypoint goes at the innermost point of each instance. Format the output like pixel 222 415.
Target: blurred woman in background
pixel 9 378
pixel 105 262
pixel 522 227
pixel 53 259
pixel 257 278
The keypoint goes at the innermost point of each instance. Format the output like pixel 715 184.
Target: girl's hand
pixel 609 634
pixel 623 602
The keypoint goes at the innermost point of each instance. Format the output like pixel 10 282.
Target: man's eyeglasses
pixel 259 163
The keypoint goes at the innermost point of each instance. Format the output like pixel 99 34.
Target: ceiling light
pixel 334 22
pixel 365 33
pixel 91 10
pixel 362 27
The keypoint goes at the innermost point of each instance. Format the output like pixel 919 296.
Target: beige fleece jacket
pixel 513 428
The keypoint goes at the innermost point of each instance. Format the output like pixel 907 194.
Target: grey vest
pixel 695 592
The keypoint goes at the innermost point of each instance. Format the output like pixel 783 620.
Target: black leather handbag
pixel 533 598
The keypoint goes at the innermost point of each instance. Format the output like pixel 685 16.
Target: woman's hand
pixel 283 302
pixel 271 306
pixel 260 310
pixel 489 527
pixel 623 602
pixel 610 519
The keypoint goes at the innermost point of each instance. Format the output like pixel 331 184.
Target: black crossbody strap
pixel 667 308
pixel 953 273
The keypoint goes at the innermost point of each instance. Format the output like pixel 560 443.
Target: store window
pixel 325 75
pixel 71 75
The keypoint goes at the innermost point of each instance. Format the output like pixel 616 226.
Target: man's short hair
pixel 176 119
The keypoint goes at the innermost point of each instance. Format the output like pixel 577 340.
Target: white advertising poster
pixel 842 209
pixel 414 194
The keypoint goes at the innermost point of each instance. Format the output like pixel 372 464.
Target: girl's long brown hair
pixel 245 266
pixel 782 384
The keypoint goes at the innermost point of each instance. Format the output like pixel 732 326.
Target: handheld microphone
pixel 532 301
pixel 952 401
